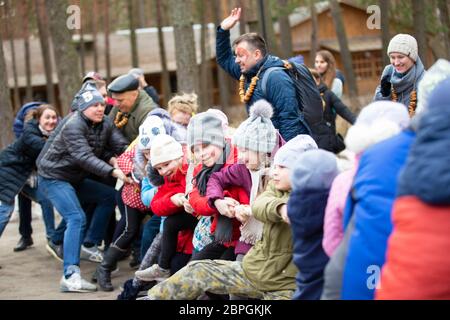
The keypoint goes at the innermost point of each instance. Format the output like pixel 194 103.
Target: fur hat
pixel 257 133
pixel 289 153
pixel 404 44
pixel 378 121
pixel 164 148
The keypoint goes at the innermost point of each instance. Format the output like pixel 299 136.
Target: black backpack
pixel 308 94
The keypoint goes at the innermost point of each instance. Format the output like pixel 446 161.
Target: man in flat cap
pixel 151 91
pixel 132 105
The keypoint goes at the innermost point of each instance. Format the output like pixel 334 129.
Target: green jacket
pixel 268 265
pixel 142 106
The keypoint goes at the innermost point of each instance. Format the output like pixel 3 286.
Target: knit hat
pixel 435 75
pixel 404 44
pixel 222 116
pixel 257 133
pixel 148 130
pixel 289 153
pixel 378 121
pixel 206 128
pixel 315 169
pixel 164 148
pixel 86 97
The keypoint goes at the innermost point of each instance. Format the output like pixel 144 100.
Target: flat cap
pixel 124 83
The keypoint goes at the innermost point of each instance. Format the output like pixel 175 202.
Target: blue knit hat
pixel 86 97
pixel 315 170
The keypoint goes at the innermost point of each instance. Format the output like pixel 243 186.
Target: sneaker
pixel 56 250
pixel 76 284
pixel 153 273
pixel 91 254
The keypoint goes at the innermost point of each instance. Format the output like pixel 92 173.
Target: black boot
pixel 103 273
pixel 23 244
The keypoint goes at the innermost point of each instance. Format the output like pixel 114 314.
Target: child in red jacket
pixel 207 141
pixel 168 159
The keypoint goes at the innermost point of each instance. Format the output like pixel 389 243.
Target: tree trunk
pixel 420 29
pixel 343 45
pixel 8 22
pixel 385 35
pixel 205 69
pixel 242 22
pixel 266 27
pixel 41 18
pixel 94 33
pixel 185 54
pixel 65 54
pixel 141 6
pixel 82 51
pixel 133 41
pixel 285 30
pixel 222 77
pixel 445 21
pixel 6 110
pixel 165 78
pixel 26 47
pixel 314 32
pixel 107 51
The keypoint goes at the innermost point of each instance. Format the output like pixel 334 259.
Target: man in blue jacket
pixel 248 65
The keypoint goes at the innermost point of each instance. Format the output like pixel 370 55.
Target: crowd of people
pixel 281 207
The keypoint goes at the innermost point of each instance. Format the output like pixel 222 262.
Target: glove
pixel 385 85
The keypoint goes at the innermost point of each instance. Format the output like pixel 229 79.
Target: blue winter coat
pixel 20 116
pixel 306 211
pixel 372 196
pixel 429 159
pixel 280 90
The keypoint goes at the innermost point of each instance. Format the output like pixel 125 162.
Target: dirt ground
pixel 34 274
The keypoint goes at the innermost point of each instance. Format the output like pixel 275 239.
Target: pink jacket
pixel 333 225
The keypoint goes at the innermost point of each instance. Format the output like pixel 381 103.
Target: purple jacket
pixel 234 175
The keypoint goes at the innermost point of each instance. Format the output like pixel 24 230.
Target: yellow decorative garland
pixel 412 101
pixel 121 119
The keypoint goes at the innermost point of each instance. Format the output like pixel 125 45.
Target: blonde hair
pixel 186 102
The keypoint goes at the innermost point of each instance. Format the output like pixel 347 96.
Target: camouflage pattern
pixel 215 276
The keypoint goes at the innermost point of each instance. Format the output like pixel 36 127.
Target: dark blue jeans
pixel 150 230
pixel 25 229
pixel 66 199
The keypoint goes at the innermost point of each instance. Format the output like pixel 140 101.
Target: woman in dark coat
pixel 17 162
pixel 324 132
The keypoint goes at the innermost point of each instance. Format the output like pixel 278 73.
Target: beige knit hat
pixel 164 148
pixel 405 44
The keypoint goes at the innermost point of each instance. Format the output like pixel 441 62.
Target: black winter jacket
pixel 324 133
pixel 17 161
pixel 79 147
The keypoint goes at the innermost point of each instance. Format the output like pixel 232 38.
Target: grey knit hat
pixel 257 133
pixel 86 97
pixel 405 44
pixel 314 170
pixel 205 128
